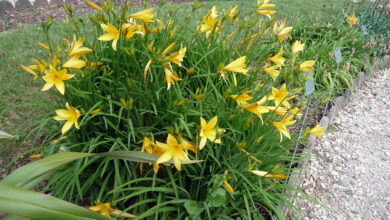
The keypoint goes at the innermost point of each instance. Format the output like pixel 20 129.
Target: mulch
pixel 16 18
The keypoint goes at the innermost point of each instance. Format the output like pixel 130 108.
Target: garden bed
pixel 198 102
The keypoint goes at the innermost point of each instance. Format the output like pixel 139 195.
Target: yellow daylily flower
pixel 276 174
pixel 272 71
pixel 56 78
pixel 210 22
pixel 145 15
pixel 281 110
pixel 208 131
pixel 76 49
pixel 263 9
pixel 74 63
pixel 214 12
pixel 168 49
pixel 257 108
pixel 232 13
pixel 307 65
pixel 243 98
pixel 280 96
pixel 352 20
pixel 173 150
pixel 70 115
pixel 297 47
pixel 237 66
pixel 131 30
pixel 105 209
pixel 318 131
pixel 29 70
pixel 278 59
pixel 93 5
pixel 296 112
pixel 281 31
pixel 150 147
pixel 40 66
pixel 281 126
pixel 177 57
pixel 170 76
pixel 112 34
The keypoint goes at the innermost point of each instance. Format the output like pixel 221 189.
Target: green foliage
pixel 26 203
pixel 120 106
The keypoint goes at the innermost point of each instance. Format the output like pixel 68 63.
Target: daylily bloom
pixel 352 20
pixel 168 49
pixel 243 98
pixel 29 70
pixel 208 131
pixel 173 150
pixel 40 66
pixel 112 34
pixel 263 9
pixel 145 15
pixel 70 115
pixel 150 147
pixel 307 65
pixel 281 110
pixel 74 63
pixel 281 31
pixel 237 66
pixel 297 47
pixel 76 49
pixel 214 12
pixel 278 59
pixel 105 209
pixel 272 71
pixel 257 108
pixel 317 131
pixel 209 23
pixel 276 174
pixel 232 13
pixel 170 76
pixel 131 30
pixel 56 78
pixel 280 96
pixel 281 126
pixel 177 57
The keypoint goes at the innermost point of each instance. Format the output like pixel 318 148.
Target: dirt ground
pixel 11 19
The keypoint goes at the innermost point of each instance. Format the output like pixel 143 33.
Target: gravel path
pixel 350 170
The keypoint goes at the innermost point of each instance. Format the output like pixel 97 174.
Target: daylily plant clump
pixel 224 90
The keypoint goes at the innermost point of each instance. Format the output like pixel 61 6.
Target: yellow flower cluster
pixel 169 60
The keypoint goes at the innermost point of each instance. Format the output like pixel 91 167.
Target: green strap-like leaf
pixel 4 135
pixel 24 175
pixel 30 204
pixel 32 173
pixel 138 156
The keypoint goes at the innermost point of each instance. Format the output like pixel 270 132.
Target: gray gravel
pixel 349 171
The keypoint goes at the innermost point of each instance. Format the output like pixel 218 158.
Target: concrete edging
pixel 295 178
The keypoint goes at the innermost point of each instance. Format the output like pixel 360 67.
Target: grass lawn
pixel 18 92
